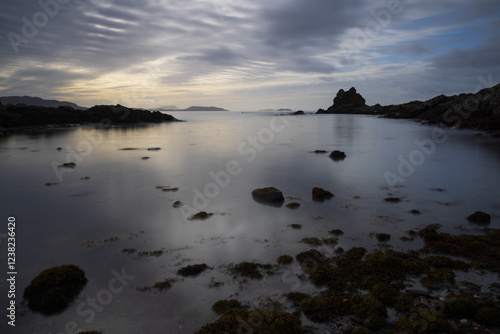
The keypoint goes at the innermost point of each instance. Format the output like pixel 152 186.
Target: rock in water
pixel 338 155
pixel 54 289
pixel 268 195
pixel 320 195
pixel 479 217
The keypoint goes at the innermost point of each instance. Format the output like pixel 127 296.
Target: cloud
pixel 484 56
pixel 245 51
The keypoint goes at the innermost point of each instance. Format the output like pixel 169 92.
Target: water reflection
pixel 119 199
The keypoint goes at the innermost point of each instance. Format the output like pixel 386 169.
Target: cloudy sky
pixel 246 55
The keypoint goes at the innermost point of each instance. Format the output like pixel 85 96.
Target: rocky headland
pixel 478 111
pixel 24 116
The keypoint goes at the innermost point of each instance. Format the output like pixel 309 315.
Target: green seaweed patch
pixel 481 250
pixel 316 242
pixel 311 258
pixel 284 259
pixel 224 305
pixel 415 212
pixel 293 205
pixel 67 165
pixel 370 309
pixel 445 262
pixel 158 286
pixel 250 269
pixel 336 232
pixel 488 312
pixel 406 301
pixel 163 285
pixel 460 305
pixel 296 226
pixel 259 321
pixel 326 306
pixel 129 250
pixel 51 291
pixel 361 330
pixel 192 270
pixel 385 292
pixel 439 277
pixel 392 199
pixel 415 266
pixel 422 320
pixel 296 297
pixel 202 215
pixel 155 253
pixel 111 239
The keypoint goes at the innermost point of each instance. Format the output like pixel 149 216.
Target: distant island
pixel 192 108
pixel 36 101
pixel 479 111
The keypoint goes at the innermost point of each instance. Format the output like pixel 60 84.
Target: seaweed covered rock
pixel 258 321
pixel 460 306
pixel 269 195
pixel 320 195
pixel 54 289
pixel 284 259
pixel 479 217
pixel 423 320
pixel 371 310
pixel 192 270
pixel 222 306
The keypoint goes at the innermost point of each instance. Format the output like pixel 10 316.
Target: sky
pixel 247 55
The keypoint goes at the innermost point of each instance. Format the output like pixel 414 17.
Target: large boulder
pixel 268 195
pixel 54 289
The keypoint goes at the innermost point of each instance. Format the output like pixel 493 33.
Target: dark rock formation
pixel 54 289
pixel 268 195
pixel 480 110
pixel 338 155
pixel 29 116
pixel 346 102
pixel 320 195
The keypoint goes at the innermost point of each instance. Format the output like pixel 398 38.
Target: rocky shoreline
pixel 23 118
pixel 475 111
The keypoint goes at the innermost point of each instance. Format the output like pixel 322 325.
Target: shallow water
pixel 216 160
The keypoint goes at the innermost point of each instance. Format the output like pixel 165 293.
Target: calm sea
pixel 111 201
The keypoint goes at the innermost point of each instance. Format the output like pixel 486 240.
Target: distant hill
pixel 195 108
pixel 166 108
pixel 36 101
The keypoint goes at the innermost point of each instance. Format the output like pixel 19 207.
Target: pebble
pixel 464 322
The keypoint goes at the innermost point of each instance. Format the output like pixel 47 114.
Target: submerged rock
pixel 52 290
pixel 320 195
pixel 268 195
pixel 67 165
pixel 154 148
pixel 479 217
